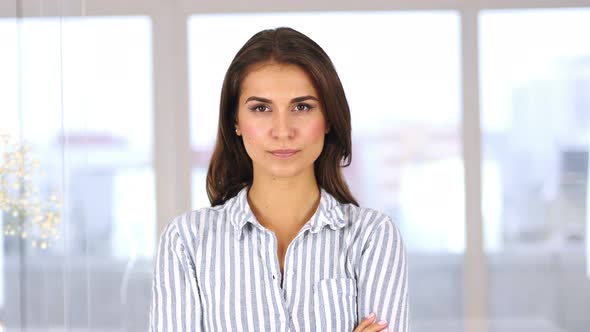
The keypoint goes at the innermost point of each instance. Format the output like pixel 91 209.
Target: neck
pixel 284 205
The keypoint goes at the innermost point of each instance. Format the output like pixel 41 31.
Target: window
pixel 535 84
pixel 80 89
pixel 401 71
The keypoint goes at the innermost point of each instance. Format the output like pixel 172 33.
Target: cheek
pixel 251 131
pixel 252 135
pixel 315 131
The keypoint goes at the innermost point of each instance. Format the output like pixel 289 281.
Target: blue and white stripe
pixel 217 270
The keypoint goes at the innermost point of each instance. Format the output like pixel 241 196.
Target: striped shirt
pixel 217 270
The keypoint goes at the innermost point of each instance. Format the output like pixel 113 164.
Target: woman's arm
pixel 383 280
pixel 175 302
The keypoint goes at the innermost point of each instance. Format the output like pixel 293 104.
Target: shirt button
pixel 273 277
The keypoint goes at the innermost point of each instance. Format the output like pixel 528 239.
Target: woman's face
pixel 280 120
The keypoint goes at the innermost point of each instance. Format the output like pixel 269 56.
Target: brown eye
pixel 303 107
pixel 259 108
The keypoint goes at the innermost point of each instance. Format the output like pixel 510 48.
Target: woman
pixel 285 246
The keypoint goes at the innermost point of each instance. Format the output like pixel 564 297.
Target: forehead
pixel 280 80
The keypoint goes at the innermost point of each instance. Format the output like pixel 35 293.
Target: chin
pixel 284 171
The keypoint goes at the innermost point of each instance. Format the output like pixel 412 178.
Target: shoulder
pixel 371 224
pixel 367 218
pixel 353 218
pixel 189 227
pixel 198 221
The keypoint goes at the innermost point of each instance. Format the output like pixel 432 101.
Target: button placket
pixel 289 270
pixel 270 261
pixel 274 261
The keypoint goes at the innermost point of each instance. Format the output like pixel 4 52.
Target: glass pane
pixel 79 96
pixel 407 148
pixel 535 72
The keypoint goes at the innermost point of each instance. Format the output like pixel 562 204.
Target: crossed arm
pixel 383 282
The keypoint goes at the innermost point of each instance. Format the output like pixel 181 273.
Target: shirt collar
pixel 329 212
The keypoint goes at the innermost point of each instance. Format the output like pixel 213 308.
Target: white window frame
pixel 172 153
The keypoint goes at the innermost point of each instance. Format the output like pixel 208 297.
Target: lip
pixel 283 153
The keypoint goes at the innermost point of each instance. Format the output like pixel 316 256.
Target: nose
pixel 282 126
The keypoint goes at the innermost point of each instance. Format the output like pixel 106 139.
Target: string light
pixel 27 215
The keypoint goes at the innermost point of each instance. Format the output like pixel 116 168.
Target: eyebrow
pixel 294 100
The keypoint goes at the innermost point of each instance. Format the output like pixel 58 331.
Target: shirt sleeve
pixel 175 304
pixel 383 280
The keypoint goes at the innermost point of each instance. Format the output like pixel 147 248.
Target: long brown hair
pixel 230 168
